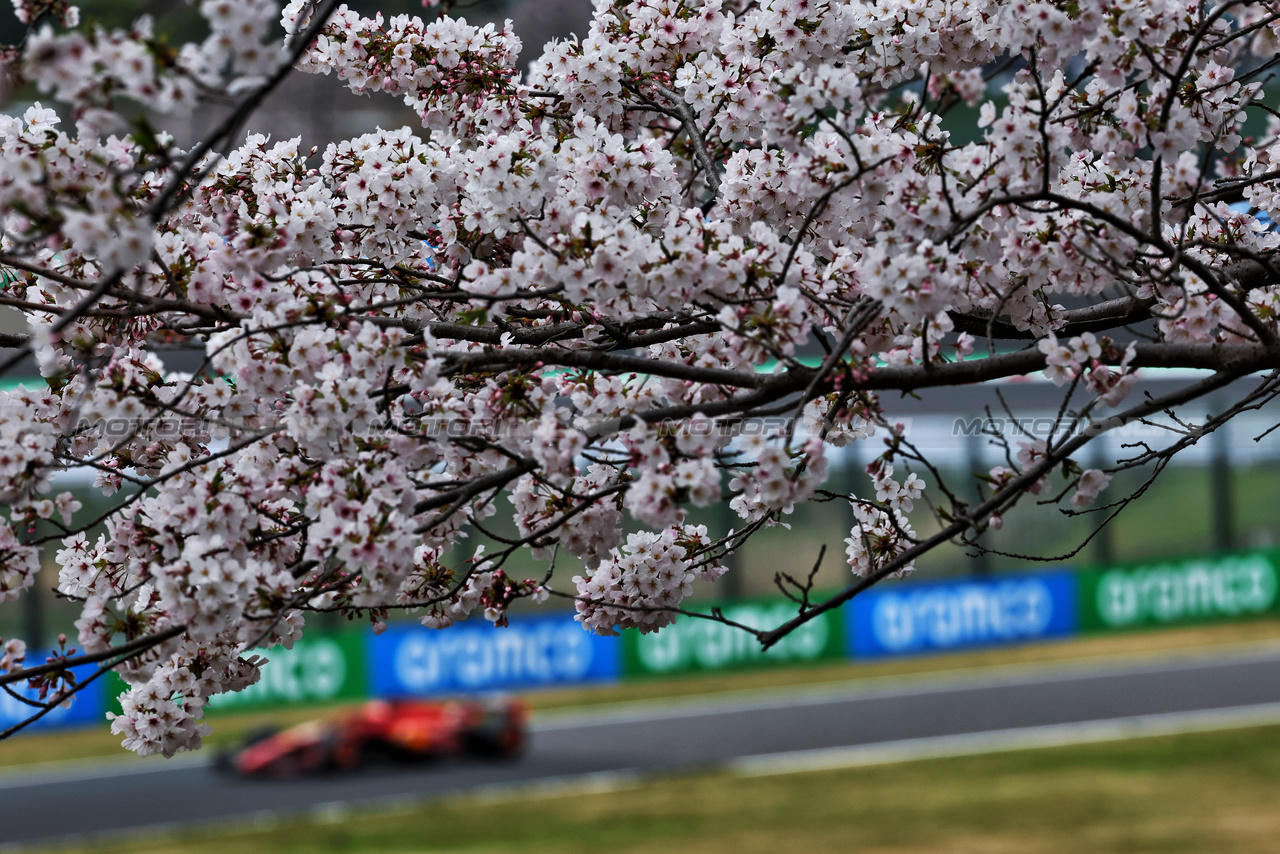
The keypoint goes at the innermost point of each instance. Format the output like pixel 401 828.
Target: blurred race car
pixel 395 730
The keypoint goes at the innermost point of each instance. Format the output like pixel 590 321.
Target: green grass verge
pixel 1204 792
pixel 96 742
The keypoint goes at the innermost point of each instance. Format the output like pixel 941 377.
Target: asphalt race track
pixel 652 738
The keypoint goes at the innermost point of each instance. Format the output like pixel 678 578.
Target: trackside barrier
pixel 911 618
pixel 318 669
pixel 945 615
pixel 531 652
pixel 691 645
pixel 88 707
pixel 1177 592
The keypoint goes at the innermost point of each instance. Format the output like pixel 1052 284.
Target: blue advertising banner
pixel 531 652
pixel 943 615
pixel 89 706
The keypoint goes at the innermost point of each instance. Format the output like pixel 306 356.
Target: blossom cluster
pixel 1081 358
pixel 640 581
pixel 595 271
pixel 882 531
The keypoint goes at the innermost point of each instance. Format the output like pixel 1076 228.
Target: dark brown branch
pixel 1000 500
pixel 1101 317
pixel 597 360
pixel 125 650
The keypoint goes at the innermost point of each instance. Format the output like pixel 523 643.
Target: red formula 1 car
pixel 395 730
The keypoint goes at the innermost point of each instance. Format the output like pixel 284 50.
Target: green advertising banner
pixel 1174 592
pixel 692 645
pixel 318 669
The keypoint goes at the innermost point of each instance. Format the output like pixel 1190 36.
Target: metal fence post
pixel 33 617
pixel 1221 488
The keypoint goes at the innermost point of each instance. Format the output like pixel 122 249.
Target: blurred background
pixel 1169 610
pixel 1219 496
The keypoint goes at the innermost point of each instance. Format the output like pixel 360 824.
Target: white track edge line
pixel 888 687
pixel 999 741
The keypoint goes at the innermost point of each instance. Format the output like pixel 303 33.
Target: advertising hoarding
pixel 974 612
pixel 531 652
pixel 89 706
pixel 692 645
pixel 321 668
pixel 1188 590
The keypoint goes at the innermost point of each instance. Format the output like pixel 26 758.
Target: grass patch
pixel 1204 792
pixel 95 742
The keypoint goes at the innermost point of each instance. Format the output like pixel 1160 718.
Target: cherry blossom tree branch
pixel 123 651
pixel 999 501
